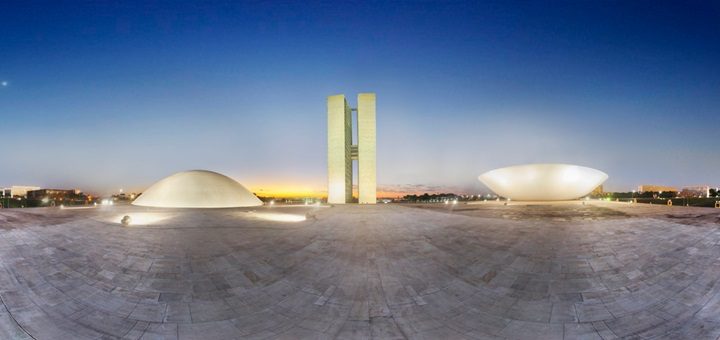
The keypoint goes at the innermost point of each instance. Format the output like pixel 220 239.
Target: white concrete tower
pixel 339 149
pixel 341 152
pixel 367 183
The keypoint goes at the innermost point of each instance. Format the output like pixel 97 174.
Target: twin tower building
pixel 343 149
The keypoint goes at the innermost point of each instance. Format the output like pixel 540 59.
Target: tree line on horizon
pixel 435 197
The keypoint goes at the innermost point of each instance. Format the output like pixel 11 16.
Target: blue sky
pixel 120 94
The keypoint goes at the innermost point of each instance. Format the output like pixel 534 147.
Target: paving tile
pixel 581 331
pixel 589 312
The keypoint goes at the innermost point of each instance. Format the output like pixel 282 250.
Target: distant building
pixel 43 197
pixel 598 191
pixel 42 193
pixel 124 197
pixel 696 191
pixel 656 188
pixel 18 190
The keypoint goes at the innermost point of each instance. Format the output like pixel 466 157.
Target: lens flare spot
pixel 276 217
pixel 139 219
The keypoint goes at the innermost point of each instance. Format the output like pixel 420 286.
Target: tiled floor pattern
pixel 355 272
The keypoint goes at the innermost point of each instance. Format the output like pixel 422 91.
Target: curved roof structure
pixel 543 182
pixel 197 189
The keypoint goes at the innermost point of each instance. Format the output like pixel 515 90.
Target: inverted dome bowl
pixel 543 182
pixel 197 189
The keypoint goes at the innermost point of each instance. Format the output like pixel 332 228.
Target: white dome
pixel 197 189
pixel 543 182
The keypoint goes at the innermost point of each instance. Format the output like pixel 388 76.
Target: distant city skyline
pixel 107 96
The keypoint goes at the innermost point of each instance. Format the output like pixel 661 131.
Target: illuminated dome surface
pixel 543 182
pixel 197 189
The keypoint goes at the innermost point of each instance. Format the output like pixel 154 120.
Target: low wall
pixel 692 202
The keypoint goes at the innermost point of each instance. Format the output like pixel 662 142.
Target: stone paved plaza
pixel 596 271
